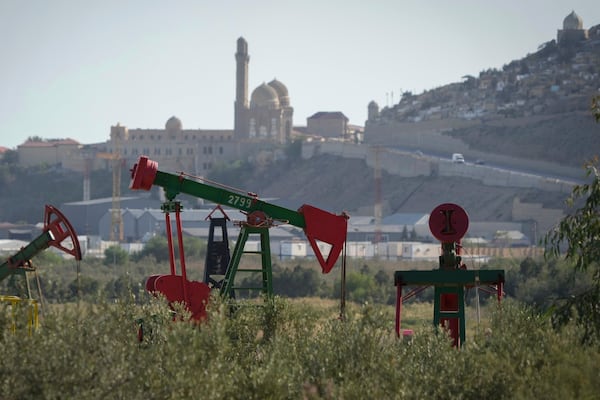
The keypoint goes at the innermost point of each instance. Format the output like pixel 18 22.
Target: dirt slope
pixel 338 184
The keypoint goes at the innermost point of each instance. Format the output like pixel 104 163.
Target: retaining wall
pixel 409 164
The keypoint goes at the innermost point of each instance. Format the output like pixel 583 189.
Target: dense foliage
pixel 538 283
pixel 288 351
pixel 87 344
pixel 577 236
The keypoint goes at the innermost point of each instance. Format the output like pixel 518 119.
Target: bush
pixel 91 351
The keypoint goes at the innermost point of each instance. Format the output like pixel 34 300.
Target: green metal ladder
pixel 229 288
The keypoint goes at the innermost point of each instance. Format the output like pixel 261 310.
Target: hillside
pixel 25 191
pixel 333 183
pixel 566 139
pixel 537 107
pixel 340 184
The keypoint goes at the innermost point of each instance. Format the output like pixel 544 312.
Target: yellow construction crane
pixel 116 222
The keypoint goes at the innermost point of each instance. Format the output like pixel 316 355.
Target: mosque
pixel 263 119
pixel 269 114
pixel 572 31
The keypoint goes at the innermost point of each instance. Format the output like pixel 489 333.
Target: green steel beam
pixel 175 184
pixel 25 254
pixel 453 277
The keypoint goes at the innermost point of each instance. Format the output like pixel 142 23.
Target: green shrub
pixel 288 351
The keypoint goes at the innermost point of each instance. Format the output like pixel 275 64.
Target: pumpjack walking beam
pixel 319 226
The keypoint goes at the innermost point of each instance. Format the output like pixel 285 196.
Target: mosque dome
pixel 173 124
pixel 264 96
pixel 572 21
pixel 282 92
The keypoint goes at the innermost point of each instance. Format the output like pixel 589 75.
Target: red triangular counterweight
pixel 323 226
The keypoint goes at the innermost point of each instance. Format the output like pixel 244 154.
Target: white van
pixel 458 158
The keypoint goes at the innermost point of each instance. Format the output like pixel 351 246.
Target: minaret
pixel 241 88
pixel 372 111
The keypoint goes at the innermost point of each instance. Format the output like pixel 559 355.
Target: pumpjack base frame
pixel 449 305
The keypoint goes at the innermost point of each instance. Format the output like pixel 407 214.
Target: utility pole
pixel 377 209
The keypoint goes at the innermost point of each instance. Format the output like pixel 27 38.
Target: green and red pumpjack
pixel 319 226
pixel 58 233
pixel 448 222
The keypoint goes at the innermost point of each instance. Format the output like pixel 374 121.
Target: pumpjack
pixel 448 222
pixel 326 233
pixel 58 233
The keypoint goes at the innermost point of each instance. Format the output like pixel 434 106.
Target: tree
pixel 115 255
pixel 596 108
pixel 381 278
pixel 580 232
pixel 413 234
pixel 10 157
pixel 296 282
pixel 530 268
pixel 293 151
pixel 404 233
pixel 193 247
pixel 577 236
pixel 360 287
pixel 156 247
pixel 84 287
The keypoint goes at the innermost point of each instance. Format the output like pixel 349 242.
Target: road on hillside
pixel 439 156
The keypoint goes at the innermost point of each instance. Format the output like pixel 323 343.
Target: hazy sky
pixel 74 68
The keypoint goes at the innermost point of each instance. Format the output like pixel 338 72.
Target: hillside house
pixel 328 124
